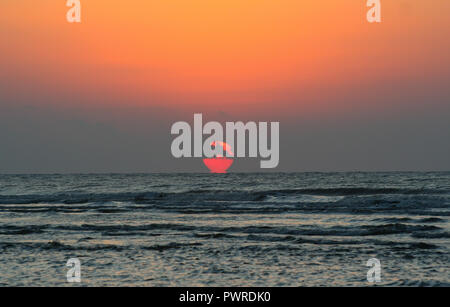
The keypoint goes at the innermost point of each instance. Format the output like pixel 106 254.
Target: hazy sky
pixel 101 96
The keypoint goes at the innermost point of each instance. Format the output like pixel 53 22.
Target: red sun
pixel 219 164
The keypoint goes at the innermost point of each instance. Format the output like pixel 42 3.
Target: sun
pixel 220 164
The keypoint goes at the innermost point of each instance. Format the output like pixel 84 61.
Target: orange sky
pixel 292 55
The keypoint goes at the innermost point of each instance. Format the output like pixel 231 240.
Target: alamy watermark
pixel 74 13
pixel 374 13
pixel 74 273
pixel 374 273
pixel 257 135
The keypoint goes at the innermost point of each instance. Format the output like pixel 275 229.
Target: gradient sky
pixel 101 96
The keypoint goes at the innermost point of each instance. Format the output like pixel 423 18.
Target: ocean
pixel 271 229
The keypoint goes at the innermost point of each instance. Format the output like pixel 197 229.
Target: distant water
pixel 305 229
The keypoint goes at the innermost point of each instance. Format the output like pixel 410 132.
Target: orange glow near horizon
pixel 284 54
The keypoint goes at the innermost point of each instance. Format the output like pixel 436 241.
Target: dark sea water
pixel 305 229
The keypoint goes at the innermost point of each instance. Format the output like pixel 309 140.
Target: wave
pixel 287 243
pixel 364 230
pixel 299 240
pixel 356 191
pixel 206 195
pixel 431 206
pixel 22 230
pixel 56 245
pixel 405 247
pixel 301 230
pixel 435 235
pixel 409 220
